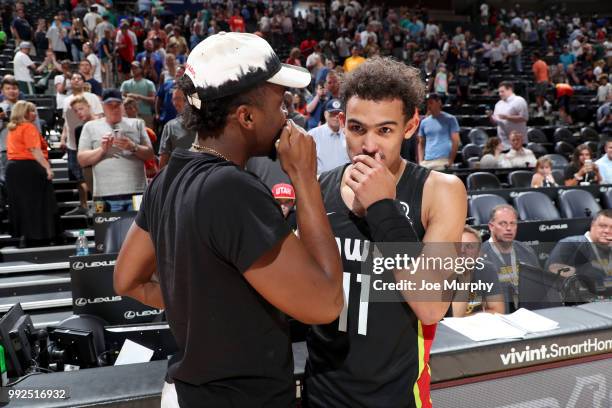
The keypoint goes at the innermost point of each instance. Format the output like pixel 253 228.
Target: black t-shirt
pixel 376 354
pixel 96 87
pixel 572 169
pixel 23 28
pixel 209 221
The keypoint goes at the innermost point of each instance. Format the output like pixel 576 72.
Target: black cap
pixel 111 95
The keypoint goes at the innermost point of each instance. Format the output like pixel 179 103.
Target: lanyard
pixel 513 263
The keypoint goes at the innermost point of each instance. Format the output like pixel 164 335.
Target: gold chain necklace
pixel 208 150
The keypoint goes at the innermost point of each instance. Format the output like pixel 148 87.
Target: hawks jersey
pixel 376 353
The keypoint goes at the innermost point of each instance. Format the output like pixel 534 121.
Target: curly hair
pixel 211 118
pixel 380 79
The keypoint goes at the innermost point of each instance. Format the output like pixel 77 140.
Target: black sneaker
pixel 78 211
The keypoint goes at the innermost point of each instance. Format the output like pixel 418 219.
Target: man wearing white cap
pixel 21 66
pixel 227 262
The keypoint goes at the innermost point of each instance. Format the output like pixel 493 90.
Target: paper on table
pixel 132 353
pixel 530 321
pixel 483 326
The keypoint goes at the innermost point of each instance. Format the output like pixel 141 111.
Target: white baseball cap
pixel 230 63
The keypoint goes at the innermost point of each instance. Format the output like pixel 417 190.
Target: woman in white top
pixel 492 153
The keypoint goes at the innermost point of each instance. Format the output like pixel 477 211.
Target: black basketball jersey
pixel 375 354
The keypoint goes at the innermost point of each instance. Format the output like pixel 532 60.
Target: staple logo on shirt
pixel 405 208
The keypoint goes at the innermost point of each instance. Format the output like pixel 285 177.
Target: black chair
pixel 480 207
pixel 483 181
pixel 478 136
pixel 559 176
pixel 606 198
pixel 115 235
pixel 48 115
pixel 588 134
pixel 470 150
pixel 563 134
pixel 564 149
pixel 577 204
pixel 520 178
pixel 535 206
pixel 537 149
pixel 473 162
pixel 536 136
pixel 558 161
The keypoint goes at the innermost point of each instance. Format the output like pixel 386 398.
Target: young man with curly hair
pixel 376 354
pixel 227 261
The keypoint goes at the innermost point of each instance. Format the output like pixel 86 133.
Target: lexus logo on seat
pixel 102 220
pixel 80 301
pixel 77 266
pixel 130 314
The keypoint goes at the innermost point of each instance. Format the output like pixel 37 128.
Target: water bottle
pixel 82 245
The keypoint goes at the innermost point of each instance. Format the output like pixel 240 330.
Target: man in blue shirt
pixel 567 57
pixel 324 92
pixel 329 139
pixel 438 136
pixel 151 61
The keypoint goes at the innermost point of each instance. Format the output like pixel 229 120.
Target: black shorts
pixel 123 66
pixel 541 88
pixel 75 173
pixel 564 102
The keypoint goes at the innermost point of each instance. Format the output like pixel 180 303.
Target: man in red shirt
pixel 541 78
pixel 236 22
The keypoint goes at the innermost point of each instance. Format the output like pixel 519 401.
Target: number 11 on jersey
pixel 364 297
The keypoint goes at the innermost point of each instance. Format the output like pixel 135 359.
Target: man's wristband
pixel 389 223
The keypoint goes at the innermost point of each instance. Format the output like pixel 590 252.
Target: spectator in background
pixel 82 109
pixel 116 147
pixel 174 134
pixel 152 63
pixel 141 89
pixel 441 81
pixel 586 255
pixel 581 170
pixel 31 196
pixel 543 176
pixel 515 49
pixel 604 164
pixel 284 194
pixel 511 113
pixel 22 64
pixel 102 26
pixel 294 57
pixel 604 90
pixel 63 87
pixel 542 81
pixel 567 58
pixel 505 253
pixel 518 156
pixel 126 43
pixel 78 36
pixel 564 93
pixel 41 43
pixel 604 116
pixel 86 70
pixel 56 35
pixel 329 139
pixel 130 106
pixel 106 50
pixel 492 153
pixel 330 89
pixel 463 80
pixel 91 20
pixel 21 28
pixel 296 117
pixel 236 22
pixel 354 60
pixel 480 301
pixel 438 136
pixel 96 66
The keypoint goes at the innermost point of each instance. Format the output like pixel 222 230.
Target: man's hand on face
pixel 371 180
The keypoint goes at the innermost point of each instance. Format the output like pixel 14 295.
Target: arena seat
pixel 537 149
pixel 478 136
pixel 564 149
pixel 481 180
pixel 535 206
pixel 520 178
pixel 480 207
pixel 588 134
pixel 563 134
pixel 115 235
pixel 577 204
pixel 606 198
pixel 595 148
pixel 558 161
pixel 470 150
pixel 559 176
